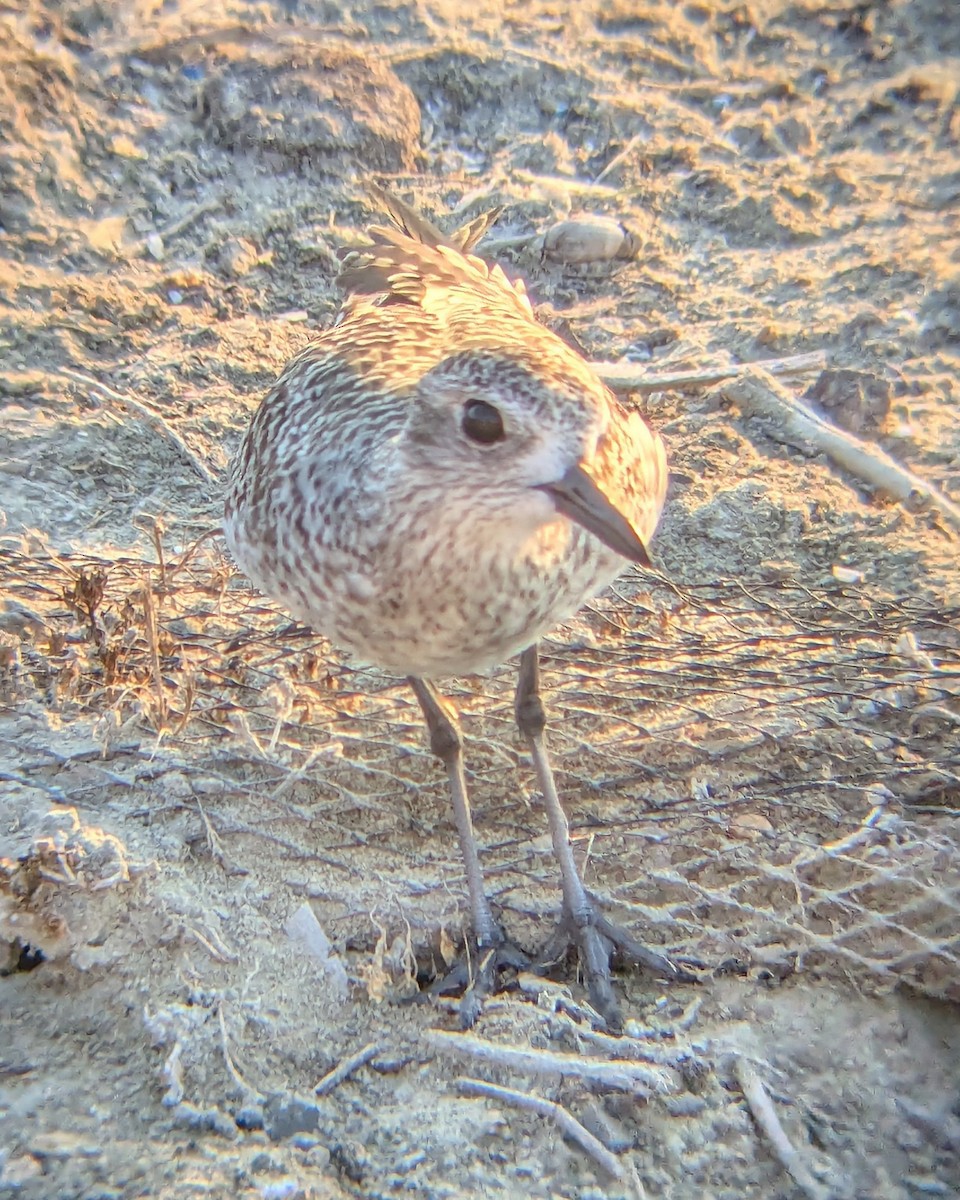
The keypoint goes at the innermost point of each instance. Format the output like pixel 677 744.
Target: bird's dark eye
pixel 482 422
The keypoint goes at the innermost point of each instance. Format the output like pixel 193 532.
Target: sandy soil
pixel 758 746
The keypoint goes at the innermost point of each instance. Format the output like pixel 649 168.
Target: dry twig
pixel 759 394
pixel 150 418
pixel 345 1068
pixel 186 219
pixel 153 646
pixel 761 1106
pixel 247 1089
pixel 58 795
pixel 655 1050
pixel 625 1075
pixel 634 377
pixel 212 943
pixel 566 1121
pixel 215 845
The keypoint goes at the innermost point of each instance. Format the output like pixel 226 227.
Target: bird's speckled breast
pixel 432 604
pixel 458 615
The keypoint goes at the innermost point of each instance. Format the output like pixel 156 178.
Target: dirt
pixel 759 745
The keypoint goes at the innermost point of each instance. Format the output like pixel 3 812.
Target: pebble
pixel 926 1185
pixel 286 1114
pixel 589 238
pixel 281 1189
pixel 249 1117
pixel 684 1106
pixel 317 1157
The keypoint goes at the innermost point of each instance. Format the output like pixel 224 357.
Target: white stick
pixel 567 1122
pixel 634 377
pixel 761 1106
pixel 789 420
pixel 625 1075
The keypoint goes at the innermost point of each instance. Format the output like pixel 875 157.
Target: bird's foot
pixel 596 940
pixel 477 976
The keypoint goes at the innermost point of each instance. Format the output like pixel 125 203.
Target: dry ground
pixel 759 746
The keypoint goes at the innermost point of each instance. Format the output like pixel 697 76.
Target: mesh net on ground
pixel 762 777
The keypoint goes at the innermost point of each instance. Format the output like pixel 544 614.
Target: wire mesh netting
pixel 763 778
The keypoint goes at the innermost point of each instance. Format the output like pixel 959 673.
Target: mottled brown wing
pixel 413 256
pixel 406 219
pixel 396 267
pixel 467 236
pixel 417 227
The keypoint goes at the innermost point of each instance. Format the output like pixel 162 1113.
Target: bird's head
pixel 512 437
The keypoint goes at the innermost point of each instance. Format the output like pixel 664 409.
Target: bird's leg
pixel 446 742
pixel 582 922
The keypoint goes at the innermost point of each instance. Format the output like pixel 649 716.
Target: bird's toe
pixel 479 977
pixel 596 940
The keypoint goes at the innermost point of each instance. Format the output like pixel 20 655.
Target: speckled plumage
pixel 366 500
pixel 357 501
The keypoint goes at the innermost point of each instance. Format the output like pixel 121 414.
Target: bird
pixel 433 483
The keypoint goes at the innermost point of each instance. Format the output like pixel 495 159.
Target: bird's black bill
pixel 579 498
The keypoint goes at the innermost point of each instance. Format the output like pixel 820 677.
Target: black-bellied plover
pixel 435 482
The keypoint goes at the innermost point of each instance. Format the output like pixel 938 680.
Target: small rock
pixel 926 1185
pixel 249 1117
pixel 264 1162
pixel 285 1115
pixel 282 1189
pixel 590 239
pixel 317 1157
pixel 854 400
pixel 304 1141
pixel 749 826
pixel 61 1144
pixel 846 574
pixel 684 1106
pixel 204 1120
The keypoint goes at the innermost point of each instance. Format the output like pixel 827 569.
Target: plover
pixel 434 483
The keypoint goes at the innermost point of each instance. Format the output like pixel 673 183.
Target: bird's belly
pixel 457 625
pixel 435 619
